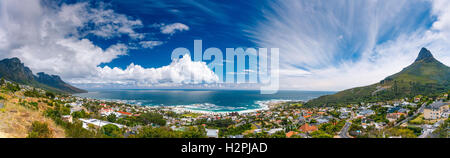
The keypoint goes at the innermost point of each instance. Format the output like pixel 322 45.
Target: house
pixel 257 131
pixel 394 116
pixel 75 108
pixel 67 118
pixel 306 128
pixel 322 120
pixel 97 123
pixel 416 100
pixel 106 111
pixel 275 130
pixel 394 109
pixel 290 134
pixel 236 136
pixel 212 133
pixel 436 110
pixel 121 113
pixel 300 120
pixel 344 115
pixel 366 112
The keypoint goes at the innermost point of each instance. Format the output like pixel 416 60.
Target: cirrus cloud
pixel 173 28
pixel 344 44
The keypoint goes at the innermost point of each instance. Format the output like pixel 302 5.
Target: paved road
pixel 420 110
pixel 430 131
pixel 344 131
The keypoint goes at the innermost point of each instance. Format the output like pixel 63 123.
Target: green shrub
pixel 39 130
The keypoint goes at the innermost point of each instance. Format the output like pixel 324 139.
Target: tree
pixel 149 118
pixel 80 114
pixel 2 81
pixel 320 134
pixel 50 94
pixel 39 130
pixel 112 131
pixel 163 132
pixel 111 118
pixel 194 132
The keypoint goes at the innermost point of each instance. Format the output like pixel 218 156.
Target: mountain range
pixel 14 70
pixel 426 76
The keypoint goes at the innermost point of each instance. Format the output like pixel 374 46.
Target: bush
pixel 163 132
pixel 39 130
pixel 111 118
pixel 149 118
pixel 12 87
pixel 50 95
pixel 418 120
pixel 403 132
pixel 32 93
pixel 320 134
pixel 111 131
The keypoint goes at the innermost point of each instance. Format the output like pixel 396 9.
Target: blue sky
pixel 324 45
pixel 218 24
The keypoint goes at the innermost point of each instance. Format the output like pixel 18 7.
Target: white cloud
pixel 99 21
pixel 172 28
pixel 322 38
pixel 52 39
pixel 179 72
pixel 150 44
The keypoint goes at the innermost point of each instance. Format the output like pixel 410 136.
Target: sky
pixel 324 45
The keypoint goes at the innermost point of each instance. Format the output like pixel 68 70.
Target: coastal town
pixel 418 117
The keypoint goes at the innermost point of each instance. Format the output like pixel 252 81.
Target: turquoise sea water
pixel 205 100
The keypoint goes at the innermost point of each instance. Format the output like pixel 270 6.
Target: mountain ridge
pixel 425 76
pixel 13 69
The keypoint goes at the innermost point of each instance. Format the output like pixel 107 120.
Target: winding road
pixel 344 131
pixel 420 110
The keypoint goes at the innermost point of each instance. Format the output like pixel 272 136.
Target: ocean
pixel 201 100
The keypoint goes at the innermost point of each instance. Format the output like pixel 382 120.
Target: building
pixel 306 128
pixel 290 134
pixel 392 117
pixel 366 112
pixel 436 110
pixel 106 111
pixel 67 118
pixel 212 133
pixel 75 108
pixel 97 123
pixel 275 130
pixel 121 113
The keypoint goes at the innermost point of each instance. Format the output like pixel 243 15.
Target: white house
pixel 98 123
pixel 212 133
pixel 275 130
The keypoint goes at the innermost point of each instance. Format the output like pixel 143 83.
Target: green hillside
pixel 426 76
pixel 14 70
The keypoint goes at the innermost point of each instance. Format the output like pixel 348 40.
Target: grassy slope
pixel 15 120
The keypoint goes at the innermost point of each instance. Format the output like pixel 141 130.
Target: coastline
pixel 263 105
pixel 197 108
